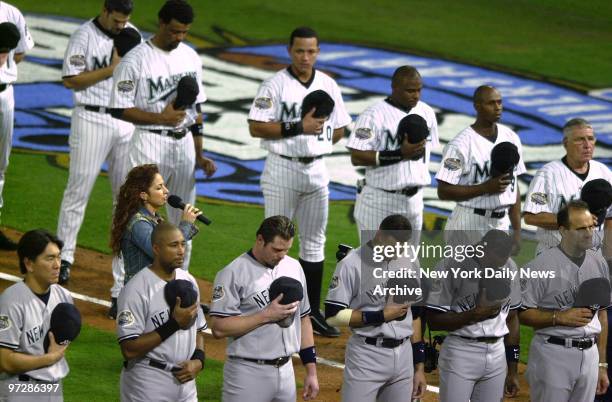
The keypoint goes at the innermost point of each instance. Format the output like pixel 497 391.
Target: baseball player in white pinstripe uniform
pixel 479 358
pixel 10 55
pixel 483 202
pixel 396 170
pixel 567 357
pixel 95 136
pixel 25 314
pixel 144 88
pixel 295 178
pixel 558 182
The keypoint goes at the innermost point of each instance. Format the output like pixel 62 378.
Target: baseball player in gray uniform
pixel 259 350
pixel 15 41
pixel 558 182
pixel 95 136
pixel 163 345
pixel 395 170
pixel 570 339
pixel 479 357
pixel 295 178
pixel 483 202
pixel 385 354
pixel 29 371
pixel 144 90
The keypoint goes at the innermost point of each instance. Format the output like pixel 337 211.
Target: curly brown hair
pixel 139 179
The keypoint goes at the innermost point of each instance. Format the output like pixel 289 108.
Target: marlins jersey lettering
pixel 376 130
pixel 9 13
pixel 466 161
pixel 142 308
pixel 90 48
pixel 279 99
pixel 24 323
pixel 147 77
pixel 241 288
pixel 559 293
pixel 555 185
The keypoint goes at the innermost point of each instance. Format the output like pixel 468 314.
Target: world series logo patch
pixel 263 103
pixel 5 322
pixel 218 293
pixel 125 318
pixel 452 164
pixel 539 198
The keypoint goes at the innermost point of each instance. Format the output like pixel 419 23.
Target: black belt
pixel 301 159
pixel 177 135
pixel 408 191
pixel 584 343
pixel 162 366
pixel 483 339
pixel 25 378
pixel 100 109
pixel 388 343
pixel 279 362
pixel 4 86
pixel 494 214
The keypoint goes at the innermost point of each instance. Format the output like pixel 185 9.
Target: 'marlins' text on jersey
pixel 162 87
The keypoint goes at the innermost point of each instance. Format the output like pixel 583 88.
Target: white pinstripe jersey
pixel 466 161
pixel 90 48
pixel 9 13
pixel 279 99
pixel 460 295
pixel 147 77
pixel 24 322
pixel 142 308
pixel 350 289
pixel 553 186
pixel 559 293
pixel 242 288
pixel 376 130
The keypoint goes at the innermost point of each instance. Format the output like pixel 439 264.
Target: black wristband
pixel 390 157
pixel 308 355
pixel 373 317
pixel 418 352
pixel 513 353
pixel 166 330
pixel 289 129
pixel 196 130
pixel 200 355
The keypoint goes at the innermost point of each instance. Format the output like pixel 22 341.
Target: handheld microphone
pixel 176 202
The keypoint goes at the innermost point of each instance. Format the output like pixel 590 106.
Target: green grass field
pixel 565 41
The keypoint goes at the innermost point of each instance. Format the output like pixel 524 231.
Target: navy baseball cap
pixel 9 36
pixel 180 288
pixel 65 324
pixel 504 158
pixel 321 101
pixel 291 289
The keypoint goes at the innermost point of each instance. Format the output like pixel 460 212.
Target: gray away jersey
pixel 9 13
pixel 553 186
pixel 24 322
pixel 279 99
pixel 241 288
pixel 376 130
pixel 142 308
pixel 459 295
pixel 466 161
pixel 559 293
pixel 350 289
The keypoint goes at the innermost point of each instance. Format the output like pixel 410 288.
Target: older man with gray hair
pixel 558 182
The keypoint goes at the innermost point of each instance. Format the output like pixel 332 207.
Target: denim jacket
pixel 136 248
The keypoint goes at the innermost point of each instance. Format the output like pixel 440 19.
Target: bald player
pixel 396 170
pixel 259 366
pixel 15 41
pixel 163 346
pixel 558 182
pixel 385 354
pixel 483 202
pixel 25 313
pixel 478 360
pixel 295 178
pixel 567 357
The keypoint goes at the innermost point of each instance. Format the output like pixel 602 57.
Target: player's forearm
pixel 363 158
pixel 15 362
pixel 87 78
pixel 416 331
pixel 139 347
pixel 306 337
pixel 514 329
pixel 544 220
pixel 338 135
pixel 198 143
pixel 138 116
pixel 18 57
pixel 457 192
pixel 602 341
pixel 223 327
pixel 536 318
pixel 269 131
pixel 514 213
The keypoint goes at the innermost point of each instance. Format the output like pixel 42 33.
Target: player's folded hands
pixel 189 370
pixel 277 311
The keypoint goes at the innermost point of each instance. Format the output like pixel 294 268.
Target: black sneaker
pixel 6 243
pixel 319 326
pixel 64 272
pixel 112 311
